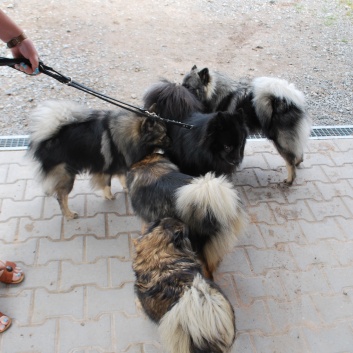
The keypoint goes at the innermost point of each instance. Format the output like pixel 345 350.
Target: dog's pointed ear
pixel 204 76
pixel 148 125
pixel 194 68
pixel 153 108
pixel 178 237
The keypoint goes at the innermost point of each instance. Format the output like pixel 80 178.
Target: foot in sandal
pixel 10 273
pixel 5 322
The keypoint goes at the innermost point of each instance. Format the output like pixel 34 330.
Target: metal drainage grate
pixel 14 142
pixel 318 132
pixel 321 132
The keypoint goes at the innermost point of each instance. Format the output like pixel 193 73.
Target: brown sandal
pixel 6 324
pixel 7 274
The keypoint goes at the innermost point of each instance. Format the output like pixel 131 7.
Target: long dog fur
pixel 271 105
pixel 193 314
pixel 68 139
pixel 209 205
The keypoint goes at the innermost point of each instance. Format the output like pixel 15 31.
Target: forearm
pixel 8 28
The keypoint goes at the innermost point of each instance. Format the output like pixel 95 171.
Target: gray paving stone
pixel 246 177
pixel 17 306
pixel 38 338
pixel 20 252
pixel 342 303
pixel 120 272
pixel 236 262
pixel 253 318
pixel 297 284
pixel 314 254
pixel 325 229
pixel 134 330
pixel 33 189
pixel 19 172
pixel 73 275
pixel 319 158
pixel 290 342
pixel 340 279
pixel 338 173
pixel 292 212
pixel 93 225
pixel 302 192
pixel 343 251
pixel 330 339
pixel 46 276
pixel 60 250
pixel 276 234
pixel 264 194
pixel 48 305
pixel 111 247
pixel 331 208
pixel 338 188
pixel 259 287
pixel 264 260
pixel 243 344
pixel 8 230
pixel 251 236
pixel 97 204
pixel 100 301
pixel 11 209
pixel 256 161
pixel 13 191
pixel 123 224
pixel 288 314
pixel 29 228
pixel 77 334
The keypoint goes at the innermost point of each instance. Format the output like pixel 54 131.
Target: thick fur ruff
pixel 215 143
pixel 68 139
pixel 209 205
pixel 193 314
pixel 271 105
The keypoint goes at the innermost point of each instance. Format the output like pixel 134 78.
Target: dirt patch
pixel 120 48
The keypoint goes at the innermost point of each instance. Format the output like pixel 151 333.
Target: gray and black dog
pixel 271 105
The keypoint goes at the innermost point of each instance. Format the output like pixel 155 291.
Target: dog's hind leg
pixel 63 202
pixel 104 182
pixel 291 162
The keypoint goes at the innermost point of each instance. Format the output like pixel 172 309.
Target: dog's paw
pixel 71 215
pixel 288 182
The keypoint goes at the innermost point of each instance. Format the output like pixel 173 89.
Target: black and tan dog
pixel 272 106
pixel 68 139
pixel 209 205
pixel 216 141
pixel 192 313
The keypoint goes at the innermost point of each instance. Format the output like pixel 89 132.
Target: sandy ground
pixel 122 47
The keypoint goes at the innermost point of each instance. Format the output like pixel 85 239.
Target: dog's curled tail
pixel 266 90
pixel 50 116
pixel 212 208
pixel 202 321
pixel 209 204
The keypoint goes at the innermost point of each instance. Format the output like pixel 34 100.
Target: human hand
pixel 26 49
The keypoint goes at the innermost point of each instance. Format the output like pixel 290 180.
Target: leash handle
pixel 13 61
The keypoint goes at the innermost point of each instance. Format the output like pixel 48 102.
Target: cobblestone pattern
pixel 290 278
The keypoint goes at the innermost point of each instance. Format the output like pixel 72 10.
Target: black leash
pixel 68 81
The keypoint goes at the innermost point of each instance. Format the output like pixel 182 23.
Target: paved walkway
pixel 290 278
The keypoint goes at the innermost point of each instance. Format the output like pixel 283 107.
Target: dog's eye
pixel 227 148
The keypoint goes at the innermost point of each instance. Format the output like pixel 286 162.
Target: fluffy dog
pixel 215 143
pixel 68 139
pixel 193 314
pixel 209 205
pixel 271 105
